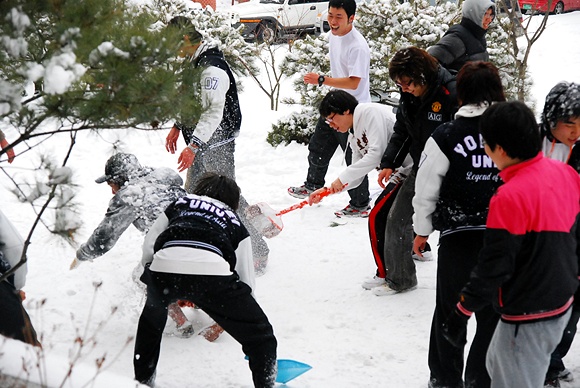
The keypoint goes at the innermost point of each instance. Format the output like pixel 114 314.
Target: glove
pixel 455 328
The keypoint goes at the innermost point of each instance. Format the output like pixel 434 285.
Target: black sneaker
pixel 350 211
pixel 565 375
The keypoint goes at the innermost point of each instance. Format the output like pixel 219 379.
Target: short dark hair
pixel 186 25
pixel 349 6
pixel 479 82
pixel 512 126
pixel 337 101
pixel 219 187
pixel 415 63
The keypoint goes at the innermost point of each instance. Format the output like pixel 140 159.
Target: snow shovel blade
pixel 289 369
pixel 264 219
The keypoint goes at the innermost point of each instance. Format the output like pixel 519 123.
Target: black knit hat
pixel 562 102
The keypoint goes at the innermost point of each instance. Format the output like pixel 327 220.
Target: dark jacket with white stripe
pixel 198 235
pixel 528 267
pixel 456 178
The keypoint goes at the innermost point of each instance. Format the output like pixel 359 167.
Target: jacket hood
pixel 206 45
pixel 475 9
pixel 165 176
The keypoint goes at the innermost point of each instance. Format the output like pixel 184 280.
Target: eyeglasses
pixel 404 84
pixel 329 119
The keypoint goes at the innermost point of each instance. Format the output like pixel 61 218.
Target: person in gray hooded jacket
pixel 141 194
pixel 465 42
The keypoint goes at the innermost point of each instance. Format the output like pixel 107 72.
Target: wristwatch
pixel 321 79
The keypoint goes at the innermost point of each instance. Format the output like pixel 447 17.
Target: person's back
pixel 199 250
pixel 455 182
pixel 528 266
pixel 221 118
pixel 542 222
pixel 465 42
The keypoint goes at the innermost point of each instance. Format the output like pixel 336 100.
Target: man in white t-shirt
pixel 349 66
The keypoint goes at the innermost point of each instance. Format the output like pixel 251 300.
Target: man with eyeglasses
pixel 370 126
pixel 427 100
pixel 349 66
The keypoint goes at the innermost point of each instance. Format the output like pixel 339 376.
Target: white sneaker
pixel 373 282
pixel 385 290
pixel 427 256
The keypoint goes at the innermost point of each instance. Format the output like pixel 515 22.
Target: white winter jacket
pixel 372 129
pixel 11 245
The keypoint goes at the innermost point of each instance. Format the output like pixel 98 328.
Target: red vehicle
pixel 556 6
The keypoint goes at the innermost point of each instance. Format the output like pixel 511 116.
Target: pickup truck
pixel 271 20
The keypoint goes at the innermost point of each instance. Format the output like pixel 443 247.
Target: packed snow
pixel 311 290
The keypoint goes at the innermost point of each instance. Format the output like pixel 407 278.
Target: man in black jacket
pixel 427 101
pixel 465 42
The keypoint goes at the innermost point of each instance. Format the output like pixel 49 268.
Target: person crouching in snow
pixel 370 126
pixel 199 250
pixel 140 195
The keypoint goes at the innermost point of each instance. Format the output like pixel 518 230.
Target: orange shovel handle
pixel 300 205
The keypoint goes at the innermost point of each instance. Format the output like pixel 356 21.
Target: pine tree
pixel 69 66
pixel 388 26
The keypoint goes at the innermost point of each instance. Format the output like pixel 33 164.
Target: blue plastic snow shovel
pixel 289 369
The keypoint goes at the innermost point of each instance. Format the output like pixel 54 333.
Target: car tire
pixel 266 32
pixel 559 8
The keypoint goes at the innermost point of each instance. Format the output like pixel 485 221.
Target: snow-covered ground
pixel 311 291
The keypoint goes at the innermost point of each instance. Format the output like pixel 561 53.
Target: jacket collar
pixel 475 29
pixel 509 172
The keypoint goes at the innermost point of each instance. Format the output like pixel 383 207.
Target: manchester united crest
pixel 436 106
